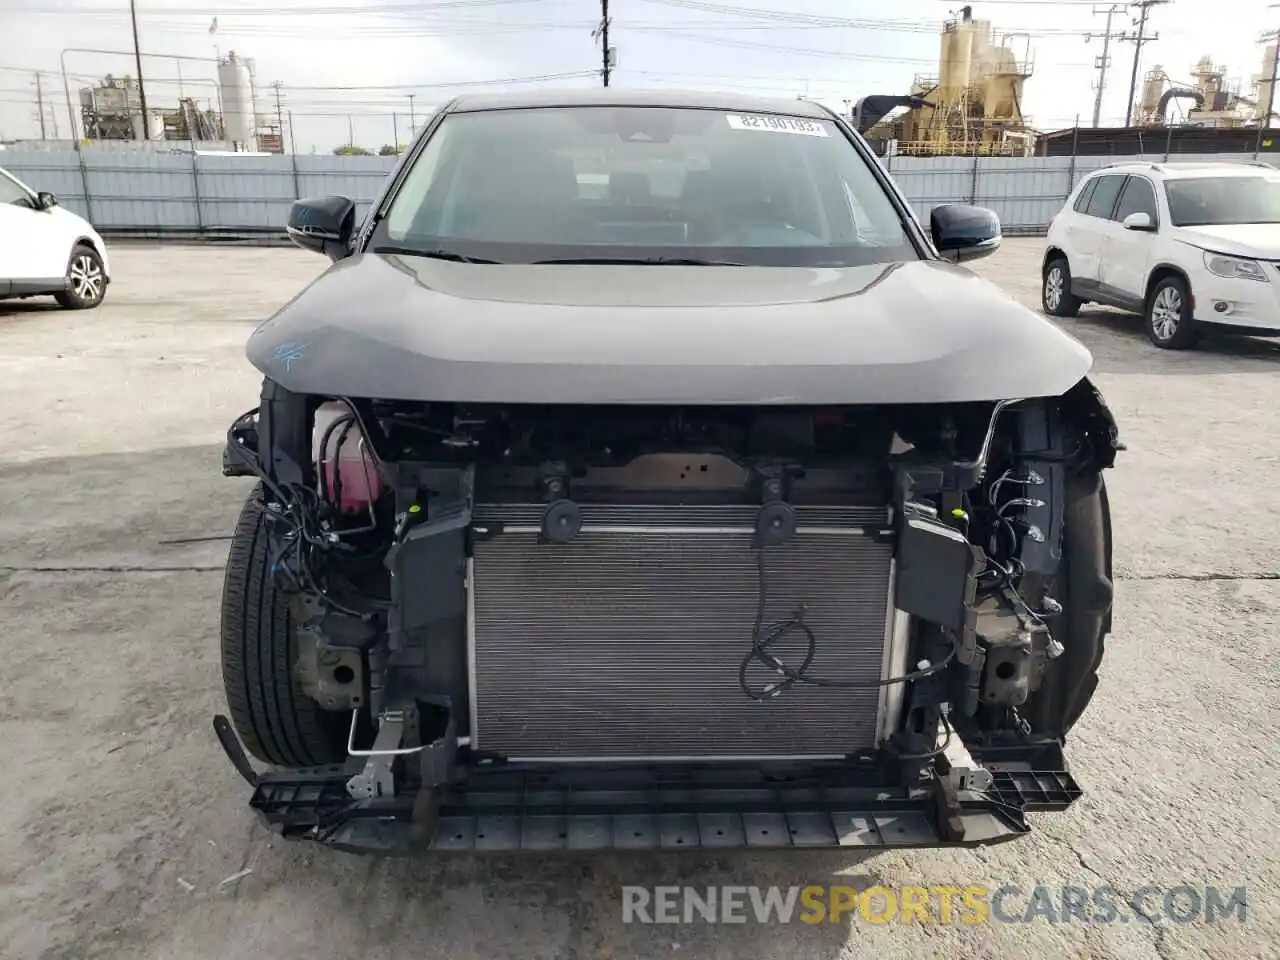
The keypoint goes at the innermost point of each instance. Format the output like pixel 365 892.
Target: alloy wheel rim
pixel 1053 288
pixel 1166 313
pixel 86 277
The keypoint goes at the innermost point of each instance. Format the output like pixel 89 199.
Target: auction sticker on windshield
pixel 805 128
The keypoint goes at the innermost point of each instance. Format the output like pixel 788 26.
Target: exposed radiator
pixel 626 642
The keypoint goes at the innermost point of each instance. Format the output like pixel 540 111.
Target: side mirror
pixel 323 225
pixel 45 200
pixel 1138 221
pixel 963 232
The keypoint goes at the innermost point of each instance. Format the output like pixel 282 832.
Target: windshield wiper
pixel 432 253
pixel 649 261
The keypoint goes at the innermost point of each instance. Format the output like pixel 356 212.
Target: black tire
pixel 1085 589
pixel 278 723
pixel 86 280
pixel 1055 289
pixel 1169 320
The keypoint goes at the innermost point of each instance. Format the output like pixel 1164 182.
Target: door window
pixel 1104 196
pixel 1082 201
pixel 1138 197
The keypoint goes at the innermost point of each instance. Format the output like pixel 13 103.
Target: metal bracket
pixel 377 779
pixel 435 759
pixel 963 771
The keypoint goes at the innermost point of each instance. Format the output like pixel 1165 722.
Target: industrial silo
pixel 1264 96
pixel 955 61
pixel 1152 90
pixel 238 109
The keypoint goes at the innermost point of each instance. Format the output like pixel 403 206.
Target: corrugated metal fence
pixel 157 194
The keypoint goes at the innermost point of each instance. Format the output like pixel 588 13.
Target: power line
pixel 797 19
pixel 273 11
pixel 832 54
pixel 1138 39
pixel 1032 3
pixel 427 16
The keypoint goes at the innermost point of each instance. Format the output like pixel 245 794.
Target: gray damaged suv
pixel 642 474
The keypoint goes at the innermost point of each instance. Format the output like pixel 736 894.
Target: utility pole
pixel 604 39
pixel 413 121
pixel 1102 63
pixel 279 115
pixel 1144 8
pixel 137 57
pixel 351 132
pixel 1264 121
pixel 1271 88
pixel 293 147
pixel 395 133
pixel 40 104
pixel 601 33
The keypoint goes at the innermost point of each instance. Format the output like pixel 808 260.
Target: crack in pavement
pixel 1198 577
pixel 1151 922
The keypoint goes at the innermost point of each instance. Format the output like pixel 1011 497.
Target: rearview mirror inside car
pixel 963 232
pixel 1138 221
pixel 323 225
pixel 46 200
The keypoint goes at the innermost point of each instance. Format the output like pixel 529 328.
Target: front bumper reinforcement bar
pixel 516 807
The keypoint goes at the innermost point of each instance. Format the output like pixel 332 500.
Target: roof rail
pixel 1132 163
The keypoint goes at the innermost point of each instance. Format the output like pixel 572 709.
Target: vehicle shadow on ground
pixel 1119 344
pixel 26 308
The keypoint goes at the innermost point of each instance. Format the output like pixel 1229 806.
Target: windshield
pixel 655 185
pixel 1223 200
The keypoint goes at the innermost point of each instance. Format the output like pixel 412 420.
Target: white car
pixel 1186 245
pixel 48 250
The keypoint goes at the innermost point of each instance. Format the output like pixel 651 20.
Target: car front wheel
pixel 275 718
pixel 86 280
pixel 1055 292
pixel 1170 324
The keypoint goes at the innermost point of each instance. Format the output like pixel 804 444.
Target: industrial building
pixel 1218 117
pixel 973 104
pixel 112 111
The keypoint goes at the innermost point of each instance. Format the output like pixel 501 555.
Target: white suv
pixel 46 249
pixel 1187 245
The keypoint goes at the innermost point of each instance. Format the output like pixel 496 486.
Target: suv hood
pixel 412 328
pixel 1254 240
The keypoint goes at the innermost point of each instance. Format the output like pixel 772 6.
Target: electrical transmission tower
pixel 43 104
pixel 1138 39
pixel 1103 63
pixel 279 115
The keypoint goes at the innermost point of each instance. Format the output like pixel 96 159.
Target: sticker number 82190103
pixel 775 124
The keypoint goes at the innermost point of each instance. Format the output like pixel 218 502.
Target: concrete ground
pixel 120 818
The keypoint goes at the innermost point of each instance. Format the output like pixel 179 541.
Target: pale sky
pixel 359 59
